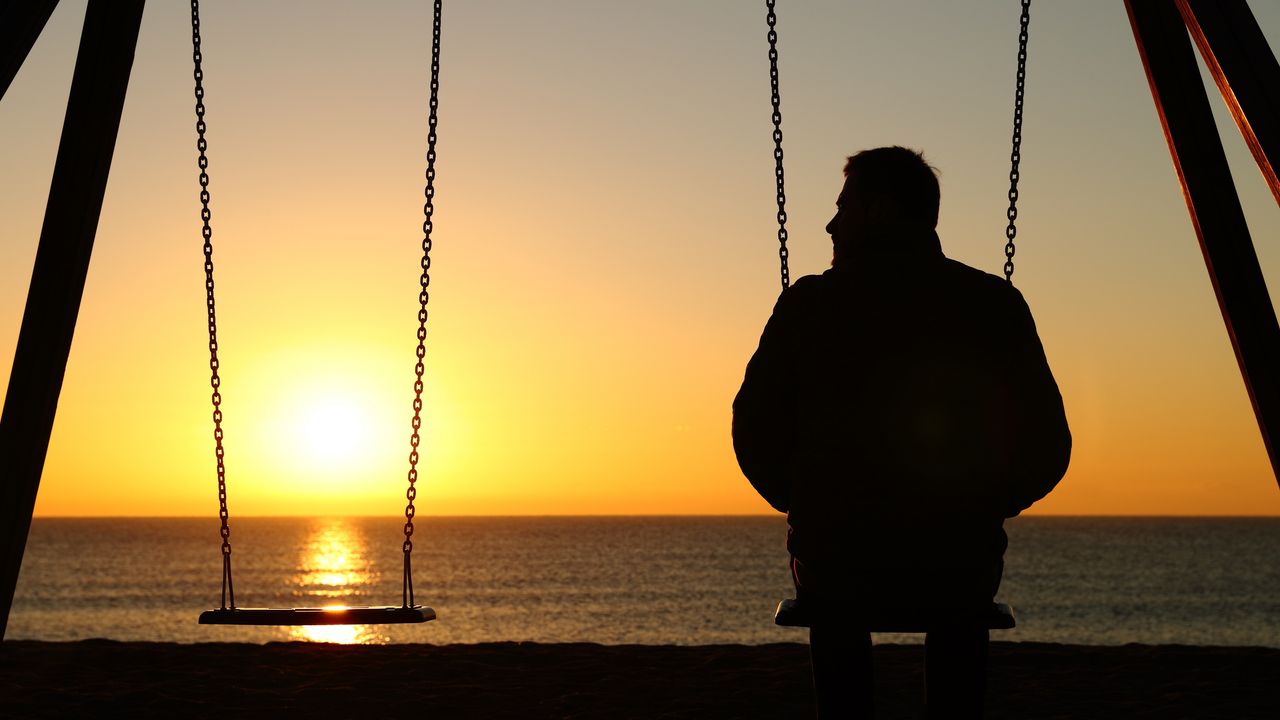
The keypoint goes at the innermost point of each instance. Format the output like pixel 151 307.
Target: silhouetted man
pixel 898 409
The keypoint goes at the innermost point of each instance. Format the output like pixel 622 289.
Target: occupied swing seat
pixel 793 613
pixel 357 615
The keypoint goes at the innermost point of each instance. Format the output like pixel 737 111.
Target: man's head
pixel 887 190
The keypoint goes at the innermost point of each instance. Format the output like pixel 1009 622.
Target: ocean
pixel 617 580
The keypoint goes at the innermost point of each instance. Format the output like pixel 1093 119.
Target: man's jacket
pixel 899 407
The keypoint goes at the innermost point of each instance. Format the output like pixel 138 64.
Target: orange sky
pixel 605 252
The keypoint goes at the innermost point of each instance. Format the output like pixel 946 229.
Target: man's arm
pixel 1041 443
pixel 765 405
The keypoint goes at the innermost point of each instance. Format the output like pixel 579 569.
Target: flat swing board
pixel 792 613
pixel 383 615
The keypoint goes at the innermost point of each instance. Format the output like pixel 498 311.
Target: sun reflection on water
pixel 333 563
pixel 334 572
pixel 341 634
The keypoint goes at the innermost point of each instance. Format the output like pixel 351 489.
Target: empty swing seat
pixel 793 613
pixel 318 616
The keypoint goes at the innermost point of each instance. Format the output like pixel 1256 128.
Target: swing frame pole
pixel 1160 29
pixel 1238 57
pixel 98 86
pixel 20 25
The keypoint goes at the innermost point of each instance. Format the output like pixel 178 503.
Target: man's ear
pixel 882 209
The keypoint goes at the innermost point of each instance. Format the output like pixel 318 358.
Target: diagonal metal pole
pixel 62 262
pixel 1241 62
pixel 1201 164
pixel 21 22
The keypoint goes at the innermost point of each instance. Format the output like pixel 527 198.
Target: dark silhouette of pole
pixel 1242 64
pixel 20 24
pixel 62 261
pixel 1201 164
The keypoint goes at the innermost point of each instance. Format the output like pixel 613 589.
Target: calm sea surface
pixel 620 580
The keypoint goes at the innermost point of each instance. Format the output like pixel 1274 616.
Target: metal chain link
pixel 783 253
pixel 428 210
pixel 1015 156
pixel 228 589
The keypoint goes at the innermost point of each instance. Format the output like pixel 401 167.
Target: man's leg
pixel 839 652
pixel 841 658
pixel 955 672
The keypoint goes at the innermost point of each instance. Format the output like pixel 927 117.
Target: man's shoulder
pixel 979 282
pixel 806 289
pixel 952 270
pixel 810 283
pixel 967 273
pixel 956 276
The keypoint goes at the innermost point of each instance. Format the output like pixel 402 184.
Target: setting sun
pixel 335 431
pixel 320 421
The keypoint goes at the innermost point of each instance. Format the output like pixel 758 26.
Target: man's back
pixel 899 408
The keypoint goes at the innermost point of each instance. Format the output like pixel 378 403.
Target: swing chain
pixel 1015 155
pixel 428 211
pixel 228 590
pixel 783 253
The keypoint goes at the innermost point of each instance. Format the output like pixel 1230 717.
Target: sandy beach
pixel 99 678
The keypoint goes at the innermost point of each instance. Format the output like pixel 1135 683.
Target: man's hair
pixel 903 176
